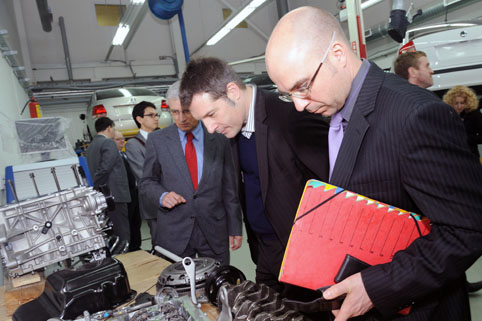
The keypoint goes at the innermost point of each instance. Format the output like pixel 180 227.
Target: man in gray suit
pixel 190 174
pixel 147 120
pixel 107 168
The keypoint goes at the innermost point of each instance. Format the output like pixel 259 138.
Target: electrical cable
pixel 24 106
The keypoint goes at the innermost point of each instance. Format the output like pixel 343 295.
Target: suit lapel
pixel 143 149
pixel 261 132
pixel 357 128
pixel 139 135
pixel 176 152
pixel 208 156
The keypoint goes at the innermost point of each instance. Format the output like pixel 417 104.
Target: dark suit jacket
pixel 473 126
pixel 136 153
pixel 214 205
pixel 107 167
pixel 291 148
pixel 405 147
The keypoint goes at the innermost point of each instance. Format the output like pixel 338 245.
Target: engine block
pixel 38 232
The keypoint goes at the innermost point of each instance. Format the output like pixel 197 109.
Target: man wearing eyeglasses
pixel 275 150
pixel 394 143
pixel 147 120
pixel 189 174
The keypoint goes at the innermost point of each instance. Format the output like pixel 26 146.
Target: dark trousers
pixel 134 223
pixel 199 245
pixel 270 256
pixel 120 220
pixel 152 223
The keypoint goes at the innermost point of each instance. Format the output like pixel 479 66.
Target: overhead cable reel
pixel 165 9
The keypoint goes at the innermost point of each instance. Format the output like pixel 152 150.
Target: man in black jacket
pixel 399 145
pixel 275 150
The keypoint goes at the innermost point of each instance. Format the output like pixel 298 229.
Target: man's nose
pixel 210 126
pixel 300 103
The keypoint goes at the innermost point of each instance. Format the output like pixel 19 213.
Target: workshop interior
pixel 67 63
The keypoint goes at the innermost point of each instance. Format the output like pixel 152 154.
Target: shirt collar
pixel 143 133
pixel 196 132
pixel 355 90
pixel 248 129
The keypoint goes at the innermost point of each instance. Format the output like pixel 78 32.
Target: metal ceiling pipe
pixel 381 31
pixel 45 15
pixel 65 44
pixel 63 102
pixel 282 7
pixel 104 84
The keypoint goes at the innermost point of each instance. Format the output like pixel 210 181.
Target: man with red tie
pixel 189 175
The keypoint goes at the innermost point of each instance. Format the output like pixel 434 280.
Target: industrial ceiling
pixel 153 56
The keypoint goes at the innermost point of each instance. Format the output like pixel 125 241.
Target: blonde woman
pixel 465 102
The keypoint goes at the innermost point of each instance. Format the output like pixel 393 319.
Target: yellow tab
pixel 329 187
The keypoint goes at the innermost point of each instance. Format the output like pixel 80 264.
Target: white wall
pixel 12 99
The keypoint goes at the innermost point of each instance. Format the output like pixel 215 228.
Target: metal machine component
pixel 37 232
pixel 221 276
pixel 175 276
pixel 93 287
pixel 176 309
pixel 257 302
pixel 201 279
pixel 168 254
pixel 190 268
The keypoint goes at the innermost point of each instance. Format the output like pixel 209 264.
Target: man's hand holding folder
pixel 356 299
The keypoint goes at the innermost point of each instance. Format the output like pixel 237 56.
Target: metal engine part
pixel 38 232
pixel 95 286
pixel 256 302
pixel 223 275
pixel 175 276
pixel 176 309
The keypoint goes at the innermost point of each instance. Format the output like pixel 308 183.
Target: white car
pixel 453 50
pixel 118 103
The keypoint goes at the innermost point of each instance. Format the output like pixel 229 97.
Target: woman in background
pixel 465 102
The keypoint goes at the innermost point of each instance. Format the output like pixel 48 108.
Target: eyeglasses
pixel 305 91
pixel 152 115
pixel 176 113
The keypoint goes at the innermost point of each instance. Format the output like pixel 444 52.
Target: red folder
pixel 332 222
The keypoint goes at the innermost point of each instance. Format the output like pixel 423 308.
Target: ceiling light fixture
pixel 138 1
pixel 120 34
pixel 229 25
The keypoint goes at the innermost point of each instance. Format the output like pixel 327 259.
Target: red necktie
pixel 191 159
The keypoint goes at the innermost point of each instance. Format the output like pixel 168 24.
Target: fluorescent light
pixel 120 34
pixel 231 24
pixel 138 1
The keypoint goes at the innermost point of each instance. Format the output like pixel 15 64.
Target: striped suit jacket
pixel 405 147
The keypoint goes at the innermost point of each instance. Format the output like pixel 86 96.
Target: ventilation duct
pixel 381 30
pixel 46 17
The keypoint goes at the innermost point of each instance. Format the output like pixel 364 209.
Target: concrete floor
pixel 242 260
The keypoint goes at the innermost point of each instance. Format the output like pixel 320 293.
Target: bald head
pixel 119 140
pixel 297 46
pixel 303 32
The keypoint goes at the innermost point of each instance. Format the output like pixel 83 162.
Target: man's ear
pixel 233 91
pixel 139 119
pixel 338 52
pixel 412 72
